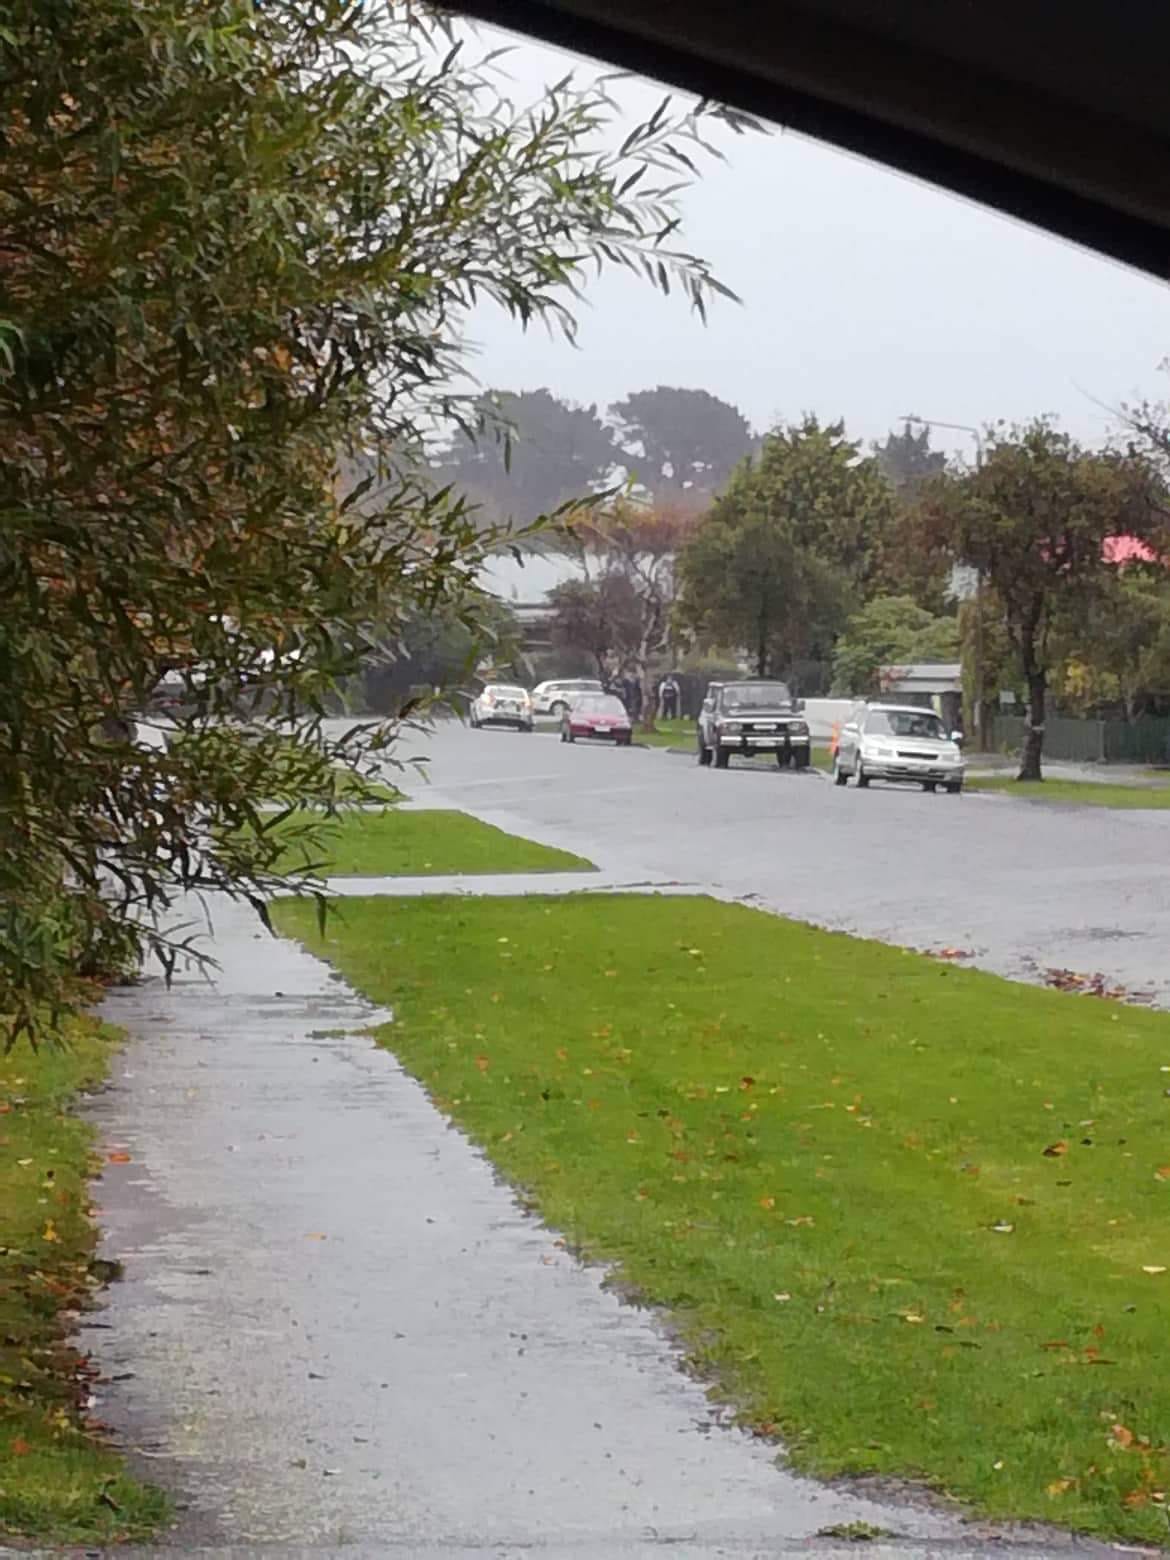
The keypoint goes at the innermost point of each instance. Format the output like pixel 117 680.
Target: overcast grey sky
pixel 865 295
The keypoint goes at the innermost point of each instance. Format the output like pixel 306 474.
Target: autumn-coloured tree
pixel 640 545
pixel 237 245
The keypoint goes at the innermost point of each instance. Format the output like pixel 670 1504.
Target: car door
pixel 847 744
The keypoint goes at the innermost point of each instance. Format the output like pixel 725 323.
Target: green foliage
pixel 889 630
pixel 1116 650
pixel 886 1199
pixel 681 445
pixel 527 454
pixel 1034 518
pixel 240 242
pixel 907 460
pixel 796 532
pixel 439 649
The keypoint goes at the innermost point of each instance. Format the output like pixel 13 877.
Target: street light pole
pixel 980 723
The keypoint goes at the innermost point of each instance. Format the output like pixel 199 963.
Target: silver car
pixel 901 742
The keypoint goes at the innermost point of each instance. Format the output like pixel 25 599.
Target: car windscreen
pixel 756 696
pixel 921 724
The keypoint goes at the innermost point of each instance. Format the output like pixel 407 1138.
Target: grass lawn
pixel 57 1482
pixel 912 1218
pixel 1083 793
pixel 425 844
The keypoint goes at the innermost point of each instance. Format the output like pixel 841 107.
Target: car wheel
pixel 800 758
pixel 722 757
pixel 782 759
pixel 929 785
pixel 840 776
pixel 859 774
pixel 954 787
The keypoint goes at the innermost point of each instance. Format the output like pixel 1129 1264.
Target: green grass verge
pixel 58 1482
pixel 1082 793
pixel 423 844
pixel 913 1218
pixel 667 733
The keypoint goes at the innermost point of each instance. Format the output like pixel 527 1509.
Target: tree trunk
pixel 1034 726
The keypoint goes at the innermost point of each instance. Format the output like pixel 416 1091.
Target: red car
pixel 597 715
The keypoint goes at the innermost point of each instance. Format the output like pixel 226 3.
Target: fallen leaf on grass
pixel 483 1063
pixel 1152 1269
pixel 119 1157
pixel 1002 1227
pixel 1162 1173
pixel 49 1232
pixel 1058 1487
pixel 1056 1150
pixel 1121 1435
pixel 767 1202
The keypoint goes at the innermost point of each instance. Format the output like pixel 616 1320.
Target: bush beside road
pixel 908 1217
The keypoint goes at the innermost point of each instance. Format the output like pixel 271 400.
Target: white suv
pixel 554 698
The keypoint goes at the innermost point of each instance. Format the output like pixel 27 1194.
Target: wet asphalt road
pixel 338 1334
pixel 1022 885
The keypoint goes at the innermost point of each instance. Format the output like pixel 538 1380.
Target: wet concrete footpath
pixel 338 1333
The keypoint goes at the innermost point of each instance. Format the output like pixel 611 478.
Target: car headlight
pixel 798 728
pixel 729 725
pixel 874 751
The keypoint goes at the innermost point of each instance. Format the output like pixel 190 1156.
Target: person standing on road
pixel 668 696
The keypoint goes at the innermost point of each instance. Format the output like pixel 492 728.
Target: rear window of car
pixel 600 704
pixel 502 690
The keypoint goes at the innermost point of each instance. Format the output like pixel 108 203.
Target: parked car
pixel 750 717
pixel 554 698
pixel 597 715
pixel 899 742
pixel 503 704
